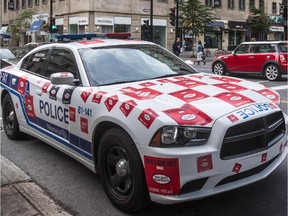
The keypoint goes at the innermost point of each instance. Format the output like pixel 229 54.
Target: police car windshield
pixel 120 64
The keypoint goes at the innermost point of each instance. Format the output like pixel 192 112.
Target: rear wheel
pixel 10 122
pixel 121 171
pixel 272 72
pixel 219 68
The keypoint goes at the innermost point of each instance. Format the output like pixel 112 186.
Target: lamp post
pixel 151 20
pixel 50 21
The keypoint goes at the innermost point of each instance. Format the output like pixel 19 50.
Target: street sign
pixel 146 10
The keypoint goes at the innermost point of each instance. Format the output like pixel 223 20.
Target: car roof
pixel 97 43
pixel 264 42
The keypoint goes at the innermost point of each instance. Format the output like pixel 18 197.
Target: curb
pixel 21 196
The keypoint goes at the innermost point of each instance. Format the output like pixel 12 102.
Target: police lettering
pixel 252 110
pixel 54 111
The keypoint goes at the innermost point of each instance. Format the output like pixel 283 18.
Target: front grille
pixel 253 136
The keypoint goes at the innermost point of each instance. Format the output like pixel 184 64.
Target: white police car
pixel 151 126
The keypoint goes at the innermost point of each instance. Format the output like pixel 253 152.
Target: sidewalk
pixel 186 55
pixel 20 196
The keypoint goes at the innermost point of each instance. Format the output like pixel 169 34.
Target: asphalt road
pixel 78 190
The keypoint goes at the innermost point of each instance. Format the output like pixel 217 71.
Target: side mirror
pixel 62 78
pixel 233 53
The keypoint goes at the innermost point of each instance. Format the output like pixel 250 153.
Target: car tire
pixel 10 122
pixel 219 68
pixel 121 171
pixel 272 72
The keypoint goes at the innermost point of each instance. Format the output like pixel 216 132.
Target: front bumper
pixel 176 175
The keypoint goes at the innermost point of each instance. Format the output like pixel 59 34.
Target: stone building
pixel 91 16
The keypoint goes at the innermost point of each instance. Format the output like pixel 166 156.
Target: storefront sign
pixel 237 26
pixel 83 21
pixel 276 28
pixel 104 21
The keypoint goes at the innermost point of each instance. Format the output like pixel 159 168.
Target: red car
pixel 267 58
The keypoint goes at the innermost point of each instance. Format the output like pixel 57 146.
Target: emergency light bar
pixel 123 35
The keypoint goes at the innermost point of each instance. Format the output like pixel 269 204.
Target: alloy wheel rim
pixel 271 72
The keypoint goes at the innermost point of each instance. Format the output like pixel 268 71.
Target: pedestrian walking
pixel 200 51
pixel 177 46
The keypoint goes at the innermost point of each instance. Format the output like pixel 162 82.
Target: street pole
pixel 177 22
pixel 50 21
pixel 151 20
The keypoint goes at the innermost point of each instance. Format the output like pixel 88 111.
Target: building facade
pixel 232 29
pixel 91 16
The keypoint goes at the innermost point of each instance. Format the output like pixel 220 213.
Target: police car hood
pixel 197 99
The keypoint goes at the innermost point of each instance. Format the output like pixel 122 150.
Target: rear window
pixel 283 47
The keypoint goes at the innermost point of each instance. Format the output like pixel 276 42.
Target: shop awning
pixel 215 24
pixel 36 25
pixel 237 26
pixel 5 36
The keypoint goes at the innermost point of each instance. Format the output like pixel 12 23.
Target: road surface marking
pixel 280 87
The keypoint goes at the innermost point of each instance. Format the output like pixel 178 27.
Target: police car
pixel 150 125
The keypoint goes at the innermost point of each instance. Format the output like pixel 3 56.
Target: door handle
pixel 38 92
pixel 251 57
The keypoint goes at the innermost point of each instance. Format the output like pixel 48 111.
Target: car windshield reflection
pixel 131 63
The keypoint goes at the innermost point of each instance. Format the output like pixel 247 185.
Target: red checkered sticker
pixel 127 107
pixel 232 118
pixel 264 157
pixel 230 87
pixel 226 79
pixel 270 95
pixel 147 84
pixel 88 42
pixel 204 163
pixel 29 106
pixel 110 102
pixel 234 99
pixel 189 83
pixel 85 95
pixel 162 175
pixel 84 125
pixel 45 87
pixel 64 74
pixel 188 115
pixel 128 89
pixel 22 85
pixel 182 78
pixel 98 97
pixel 143 94
pixel 237 168
pixel 72 114
pixel 147 117
pixel 165 81
pixel 189 95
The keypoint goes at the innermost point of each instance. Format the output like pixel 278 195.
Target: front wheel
pixel 272 72
pixel 219 68
pixel 10 122
pixel 121 171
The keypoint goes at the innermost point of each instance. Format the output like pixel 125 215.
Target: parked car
pixel 265 58
pixel 33 45
pixel 7 57
pixel 151 126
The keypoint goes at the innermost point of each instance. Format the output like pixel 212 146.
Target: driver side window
pixel 61 61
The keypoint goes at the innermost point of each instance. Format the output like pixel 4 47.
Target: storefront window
pixel 106 29
pixel 213 39
pixel 122 28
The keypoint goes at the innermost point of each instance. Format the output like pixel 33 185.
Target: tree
pixel 195 17
pixel 258 22
pixel 22 24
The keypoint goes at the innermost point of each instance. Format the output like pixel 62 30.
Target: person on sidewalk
pixel 177 46
pixel 200 50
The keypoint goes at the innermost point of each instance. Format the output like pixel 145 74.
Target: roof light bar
pixel 121 35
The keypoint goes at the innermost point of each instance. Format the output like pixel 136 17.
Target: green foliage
pixel 22 24
pixel 258 20
pixel 195 15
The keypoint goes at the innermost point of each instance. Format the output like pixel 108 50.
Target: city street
pixel 79 192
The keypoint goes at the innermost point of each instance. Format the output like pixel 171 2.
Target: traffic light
pixel 53 26
pixel 146 24
pixel 172 16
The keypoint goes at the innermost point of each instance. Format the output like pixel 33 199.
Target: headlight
pixel 174 136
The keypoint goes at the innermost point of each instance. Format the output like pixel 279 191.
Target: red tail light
pixel 283 58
